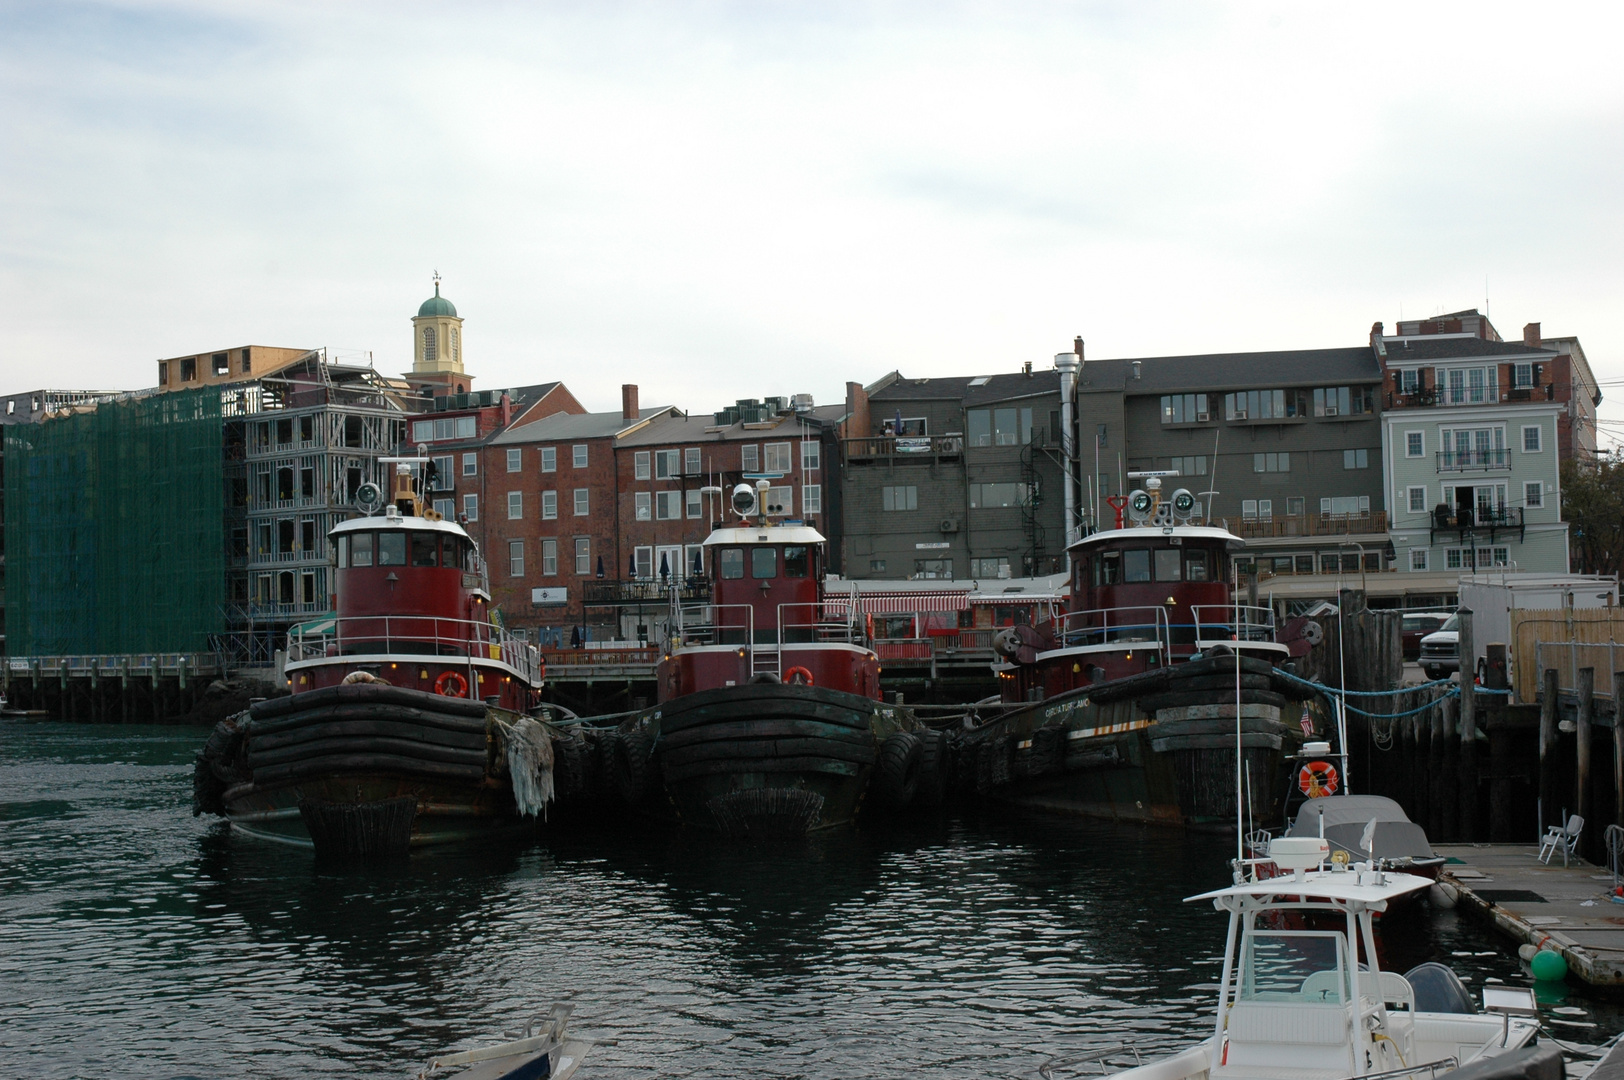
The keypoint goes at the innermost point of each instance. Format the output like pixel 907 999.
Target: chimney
pixel 1026 368
pixel 628 401
pixel 1377 344
pixel 1531 335
pixel 1077 347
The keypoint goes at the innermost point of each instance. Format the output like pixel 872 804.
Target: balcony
pixel 1476 523
pixel 1473 460
pixel 637 591
pixel 921 448
pixel 1312 525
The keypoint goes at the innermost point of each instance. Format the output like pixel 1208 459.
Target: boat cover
pixel 1348 816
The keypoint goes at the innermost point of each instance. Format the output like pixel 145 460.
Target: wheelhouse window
pixel 425 549
pixel 391 549
pixel 360 549
pixel 1198 566
pixel 1136 565
pixel 795 561
pixel 731 563
pixel 763 563
pixel 1167 564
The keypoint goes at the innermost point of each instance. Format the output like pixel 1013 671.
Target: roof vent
pixel 1136 366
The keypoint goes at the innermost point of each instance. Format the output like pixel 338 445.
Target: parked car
pixel 1417 625
pixel 1440 650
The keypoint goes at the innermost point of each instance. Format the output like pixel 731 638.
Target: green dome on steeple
pixel 437 305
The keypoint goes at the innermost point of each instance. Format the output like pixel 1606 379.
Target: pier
pixel 1565 908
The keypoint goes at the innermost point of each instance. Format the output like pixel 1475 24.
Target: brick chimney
pixel 628 401
pixel 1531 335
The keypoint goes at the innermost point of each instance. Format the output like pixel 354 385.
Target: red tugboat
pixel 769 720
pixel 1134 691
pixel 406 723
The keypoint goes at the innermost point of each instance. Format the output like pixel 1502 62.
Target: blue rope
pixel 1366 693
pixel 1398 715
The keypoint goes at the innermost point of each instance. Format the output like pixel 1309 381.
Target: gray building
pixel 1283 447
pixel 955 478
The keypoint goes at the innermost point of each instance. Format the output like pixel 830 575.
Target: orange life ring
pixel 806 676
pixel 451 684
pixel 1317 779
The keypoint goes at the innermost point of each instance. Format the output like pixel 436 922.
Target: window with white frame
pixel 1271 462
pixel 1475 447
pixel 515 505
pixel 666 464
pixel 1453 558
pixel 549 459
pixel 750 458
pixel 516 558
pixel 900 497
pixel 446 508
pixel 810 458
pixel 456 427
pixel 1417 498
pixel 470 507
pixel 1533 493
pixel 444 478
pixel 549 505
pixel 667 505
pixel 579 452
pixel 549 557
pixel 691 464
pixel 777 457
pixel 1522 375
pixel 643 505
pixel 1294 506
pixel 515 459
pixel 696 508
pixel 582 509
pixel 1418 558
pixel 694 557
pixel 1257 509
pixel 811 498
pixel 643 559
pixel 583 555
pixel 1346 506
pixel 1469 386
pixel 1415 444
pixel 1409 380
pixel 1531 438
pixel 470 464
pixel 640 465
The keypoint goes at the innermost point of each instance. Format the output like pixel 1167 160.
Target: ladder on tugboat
pixel 766 660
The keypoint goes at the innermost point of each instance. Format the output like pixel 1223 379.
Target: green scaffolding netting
pixel 115 530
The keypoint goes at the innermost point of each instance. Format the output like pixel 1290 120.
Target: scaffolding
pixel 115 528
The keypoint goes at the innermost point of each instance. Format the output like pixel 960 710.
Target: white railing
pixel 1111 626
pixel 1232 622
pixel 820 621
pixel 416 636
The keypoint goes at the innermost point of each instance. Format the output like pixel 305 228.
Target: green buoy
pixel 1548 966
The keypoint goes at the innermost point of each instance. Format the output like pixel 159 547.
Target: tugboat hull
pixel 768 759
pixel 1159 749
pixel 361 769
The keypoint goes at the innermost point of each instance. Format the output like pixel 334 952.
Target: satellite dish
pixel 744 500
pixel 1183 504
pixel 1140 505
pixel 369 498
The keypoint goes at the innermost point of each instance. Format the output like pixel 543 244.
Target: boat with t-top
pixel 407 719
pixel 769 720
pixel 1136 701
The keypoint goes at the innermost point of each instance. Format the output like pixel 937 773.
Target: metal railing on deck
pixel 1124 625
pixel 86 664
pixel 414 635
pixel 1232 622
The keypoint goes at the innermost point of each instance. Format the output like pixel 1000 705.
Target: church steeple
pixel 437 345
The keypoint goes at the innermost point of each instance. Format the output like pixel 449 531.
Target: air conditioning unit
pixel 1330 410
pixel 949 525
pixel 1201 417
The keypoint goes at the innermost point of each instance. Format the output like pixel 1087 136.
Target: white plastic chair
pixel 1561 838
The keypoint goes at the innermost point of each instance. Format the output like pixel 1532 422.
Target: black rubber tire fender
pixel 633 753
pixel 932 768
pixel 897 772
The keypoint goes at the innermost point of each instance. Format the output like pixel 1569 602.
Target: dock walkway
pixel 1565 908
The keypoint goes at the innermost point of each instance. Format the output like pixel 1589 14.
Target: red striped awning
pixel 1017 598
pixel 910 603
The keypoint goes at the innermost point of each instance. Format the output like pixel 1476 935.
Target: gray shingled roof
pixel 1233 371
pixel 958 388
pixel 694 429
pixel 560 426
pixel 1429 347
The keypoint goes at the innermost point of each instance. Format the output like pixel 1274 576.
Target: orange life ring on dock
pixel 451 684
pixel 1317 779
pixel 804 680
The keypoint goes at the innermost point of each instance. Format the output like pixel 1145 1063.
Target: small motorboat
pixel 1296 1004
pixel 544 1053
pixel 1369 828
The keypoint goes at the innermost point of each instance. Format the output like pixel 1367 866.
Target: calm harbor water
pixel 137 941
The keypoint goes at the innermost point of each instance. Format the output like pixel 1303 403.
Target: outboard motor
pixel 1439 990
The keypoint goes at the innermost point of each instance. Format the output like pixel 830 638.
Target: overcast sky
pixel 731 200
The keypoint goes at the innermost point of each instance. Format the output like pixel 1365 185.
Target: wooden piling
pixel 1587 705
pixel 1415 751
pixel 1618 747
pixel 1548 810
pixel 1449 769
pixel 1468 730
